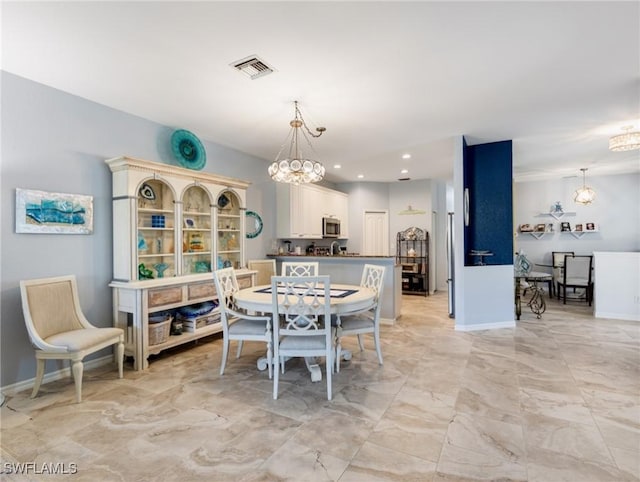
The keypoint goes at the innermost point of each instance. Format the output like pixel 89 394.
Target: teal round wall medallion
pixel 188 149
pixel 254 224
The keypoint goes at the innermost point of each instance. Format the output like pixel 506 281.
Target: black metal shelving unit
pixel 412 253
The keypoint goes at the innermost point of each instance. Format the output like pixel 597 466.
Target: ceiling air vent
pixel 253 67
pixel 404 179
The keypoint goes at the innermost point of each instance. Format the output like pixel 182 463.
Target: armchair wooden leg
pixel 39 376
pixel 77 368
pixel 120 358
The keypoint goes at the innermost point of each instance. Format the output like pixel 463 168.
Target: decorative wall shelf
pixel 579 234
pixel 559 215
pixel 539 234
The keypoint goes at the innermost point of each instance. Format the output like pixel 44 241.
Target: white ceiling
pixel 385 78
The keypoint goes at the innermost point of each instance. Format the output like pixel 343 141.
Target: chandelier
pixel 625 142
pixel 584 195
pixel 295 168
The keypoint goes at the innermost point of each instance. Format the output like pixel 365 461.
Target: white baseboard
pixel 617 316
pixel 56 375
pixel 486 326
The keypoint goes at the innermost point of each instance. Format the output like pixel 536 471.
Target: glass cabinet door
pixel 196 231
pixel 229 231
pixel 155 229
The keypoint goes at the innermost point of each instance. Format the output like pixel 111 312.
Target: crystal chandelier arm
pixel 320 130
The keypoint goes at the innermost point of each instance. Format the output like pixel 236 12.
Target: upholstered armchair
pixel 59 331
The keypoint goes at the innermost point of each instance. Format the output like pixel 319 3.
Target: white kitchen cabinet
pixel 298 208
pixel 301 208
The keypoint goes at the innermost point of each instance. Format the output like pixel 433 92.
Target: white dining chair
pixel 364 321
pixel 302 268
pixel 302 322
pixel 577 273
pixel 236 324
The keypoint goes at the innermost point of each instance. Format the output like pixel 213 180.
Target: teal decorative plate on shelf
pixel 188 150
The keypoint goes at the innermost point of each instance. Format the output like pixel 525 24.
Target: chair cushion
pixel 78 340
pixel 315 342
pixel 576 281
pixel 247 327
pixel 357 322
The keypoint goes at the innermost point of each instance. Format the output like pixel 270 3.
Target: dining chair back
pixel 577 273
pixel 58 329
pixel 363 321
pixel 302 268
pixel 236 324
pixel 266 268
pixel 557 263
pixel 302 322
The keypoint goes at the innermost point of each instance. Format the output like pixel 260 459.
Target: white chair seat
pixel 299 343
pixel 357 322
pixel 575 281
pixel 246 327
pixel 78 340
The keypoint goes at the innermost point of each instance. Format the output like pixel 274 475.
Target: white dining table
pixel 345 298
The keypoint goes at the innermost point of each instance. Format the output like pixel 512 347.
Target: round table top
pixel 537 275
pixel 255 299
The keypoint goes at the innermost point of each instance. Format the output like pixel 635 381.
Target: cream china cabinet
pixel 171 228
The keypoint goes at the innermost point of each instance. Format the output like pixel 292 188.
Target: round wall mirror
pixel 254 224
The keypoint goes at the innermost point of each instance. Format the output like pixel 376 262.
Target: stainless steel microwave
pixel 330 228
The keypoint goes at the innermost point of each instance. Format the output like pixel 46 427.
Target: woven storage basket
pixel 159 332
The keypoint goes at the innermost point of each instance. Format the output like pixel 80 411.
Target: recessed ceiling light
pixel 404 171
pixel 337 166
pixel 360 176
pixel 406 156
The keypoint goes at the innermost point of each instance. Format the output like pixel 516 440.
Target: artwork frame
pixel 44 212
pixel 591 227
pixel 190 223
pixel 565 227
pixel 540 228
pixel 578 227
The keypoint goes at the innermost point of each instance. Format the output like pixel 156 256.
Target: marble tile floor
pixel 556 399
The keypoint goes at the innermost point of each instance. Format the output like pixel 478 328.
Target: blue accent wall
pixel 488 174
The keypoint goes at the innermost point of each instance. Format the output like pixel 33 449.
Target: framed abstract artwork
pixel 41 212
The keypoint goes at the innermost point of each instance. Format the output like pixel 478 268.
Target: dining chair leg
pixel 338 355
pixel 376 335
pixel 225 351
pixel 239 349
pixel 360 343
pixel 270 360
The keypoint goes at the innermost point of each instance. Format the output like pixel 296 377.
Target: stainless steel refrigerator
pixel 450 265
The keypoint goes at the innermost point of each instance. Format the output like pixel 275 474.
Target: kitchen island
pixel 347 269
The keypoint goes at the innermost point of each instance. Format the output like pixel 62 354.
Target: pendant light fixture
pixel 295 168
pixel 584 195
pixel 625 142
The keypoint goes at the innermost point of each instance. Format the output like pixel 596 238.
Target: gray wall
pixel 53 141
pixel 615 211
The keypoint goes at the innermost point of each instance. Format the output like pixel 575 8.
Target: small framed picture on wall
pixel 591 227
pixel 565 226
pixel 578 227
